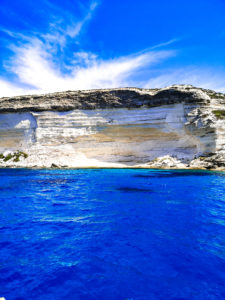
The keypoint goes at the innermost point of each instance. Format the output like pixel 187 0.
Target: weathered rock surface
pixel 176 127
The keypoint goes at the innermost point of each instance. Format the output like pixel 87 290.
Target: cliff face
pixel 179 126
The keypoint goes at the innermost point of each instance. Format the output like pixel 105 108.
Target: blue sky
pixel 58 45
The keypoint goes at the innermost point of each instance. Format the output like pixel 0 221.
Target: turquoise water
pixel 112 234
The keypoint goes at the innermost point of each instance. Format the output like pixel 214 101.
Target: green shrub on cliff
pixel 16 156
pixel 25 155
pixel 8 157
pixel 220 114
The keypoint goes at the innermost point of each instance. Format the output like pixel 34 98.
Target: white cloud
pixel 34 66
pixel 74 29
pixel 200 77
pixel 8 89
pixel 164 44
pixel 35 63
pixel 58 34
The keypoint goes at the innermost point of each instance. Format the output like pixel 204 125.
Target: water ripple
pixel 112 234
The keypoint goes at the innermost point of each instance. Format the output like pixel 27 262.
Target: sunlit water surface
pixel 112 234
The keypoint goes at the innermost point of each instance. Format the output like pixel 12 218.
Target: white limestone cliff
pixel 176 133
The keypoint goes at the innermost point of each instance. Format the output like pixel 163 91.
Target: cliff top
pixel 110 98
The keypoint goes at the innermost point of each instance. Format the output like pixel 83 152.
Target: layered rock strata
pixel 176 127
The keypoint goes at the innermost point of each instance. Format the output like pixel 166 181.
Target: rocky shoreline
pixel 213 163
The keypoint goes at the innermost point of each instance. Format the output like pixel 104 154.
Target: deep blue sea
pixel 112 234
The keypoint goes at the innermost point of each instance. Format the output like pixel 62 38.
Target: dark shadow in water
pixel 143 176
pixel 177 174
pixel 134 190
pixel 58 204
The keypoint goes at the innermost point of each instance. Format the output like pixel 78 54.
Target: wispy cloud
pixel 38 58
pixel 8 89
pixel 35 63
pixel 200 77
pixel 164 44
pixel 74 29
pixel 34 66
pixel 59 34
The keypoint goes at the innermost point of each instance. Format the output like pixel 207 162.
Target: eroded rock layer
pixel 179 126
